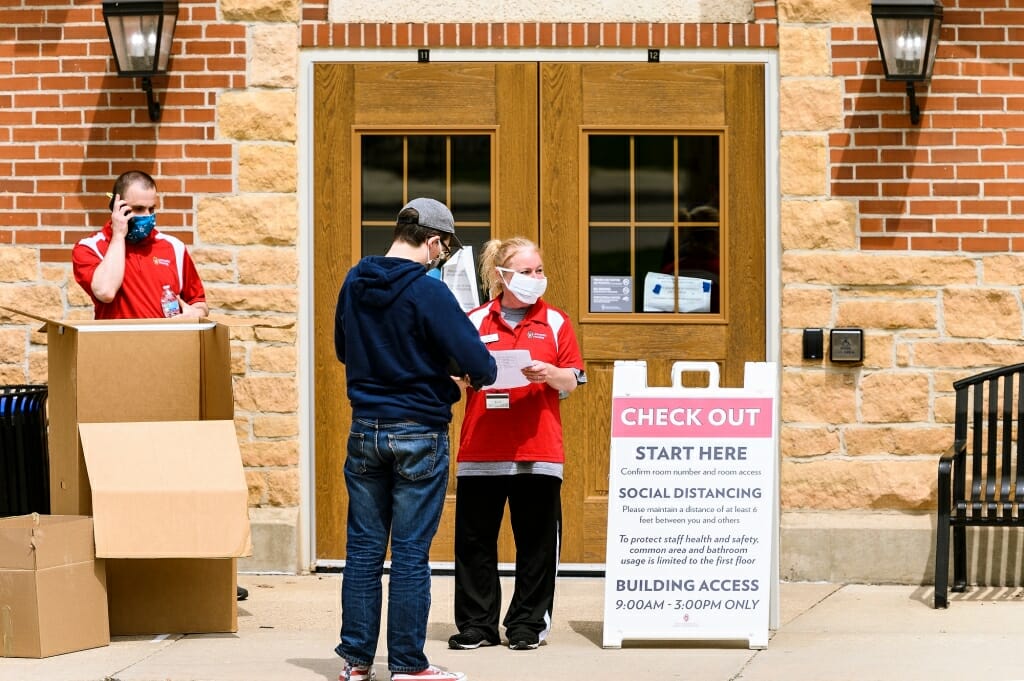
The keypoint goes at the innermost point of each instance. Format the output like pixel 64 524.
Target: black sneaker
pixel 468 640
pixel 523 642
pixel 241 593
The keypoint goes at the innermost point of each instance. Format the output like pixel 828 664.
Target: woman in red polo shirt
pixel 511 449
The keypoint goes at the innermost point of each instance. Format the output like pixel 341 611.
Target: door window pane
pixel 650 252
pixel 699 257
pixel 655 182
pixel 698 178
pixel 654 217
pixel 454 169
pixel 471 178
pixel 609 178
pixel 383 161
pixel 377 240
pixel 609 251
pixel 610 281
pixel 428 161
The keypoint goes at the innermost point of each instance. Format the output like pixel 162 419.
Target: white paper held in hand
pixel 510 369
pixel 458 273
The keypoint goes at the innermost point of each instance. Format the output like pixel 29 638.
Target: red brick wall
pixel 539 35
pixel 69 124
pixel 316 32
pixel 955 182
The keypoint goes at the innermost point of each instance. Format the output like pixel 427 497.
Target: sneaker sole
pixel 522 645
pixel 470 646
pixel 361 676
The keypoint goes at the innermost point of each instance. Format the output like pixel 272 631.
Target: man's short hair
pixel 126 180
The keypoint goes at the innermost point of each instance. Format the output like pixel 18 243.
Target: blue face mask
pixel 139 227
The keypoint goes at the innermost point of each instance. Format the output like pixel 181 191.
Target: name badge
pixel 489 338
pixel 496 400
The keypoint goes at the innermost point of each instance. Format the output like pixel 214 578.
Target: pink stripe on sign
pixel 668 417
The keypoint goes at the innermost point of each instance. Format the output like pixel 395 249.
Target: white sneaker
pixel 431 673
pixel 352 673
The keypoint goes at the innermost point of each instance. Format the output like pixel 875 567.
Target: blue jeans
pixel 396 473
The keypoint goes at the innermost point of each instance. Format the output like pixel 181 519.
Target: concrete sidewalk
pixel 828 632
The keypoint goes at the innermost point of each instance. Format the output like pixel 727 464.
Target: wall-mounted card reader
pixel 814 342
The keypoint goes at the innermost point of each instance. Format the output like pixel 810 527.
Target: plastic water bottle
pixel 169 302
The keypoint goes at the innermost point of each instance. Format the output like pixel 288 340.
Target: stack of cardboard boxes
pixel 142 448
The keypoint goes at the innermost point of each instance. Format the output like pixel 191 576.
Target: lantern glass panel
pixel 904 43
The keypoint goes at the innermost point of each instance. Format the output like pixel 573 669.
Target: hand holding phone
pixel 120 212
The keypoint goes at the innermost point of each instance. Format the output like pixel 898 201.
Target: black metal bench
pixel 981 477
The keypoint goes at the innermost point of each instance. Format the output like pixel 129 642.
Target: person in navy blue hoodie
pixel 407 346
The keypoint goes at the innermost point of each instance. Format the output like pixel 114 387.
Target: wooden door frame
pixel 307 199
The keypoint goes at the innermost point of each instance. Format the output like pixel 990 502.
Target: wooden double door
pixel 642 182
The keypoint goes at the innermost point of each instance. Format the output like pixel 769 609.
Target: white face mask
pixel 525 289
pixel 437 262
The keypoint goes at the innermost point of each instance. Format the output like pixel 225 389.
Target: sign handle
pixel 711 368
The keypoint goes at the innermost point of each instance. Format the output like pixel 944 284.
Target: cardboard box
pixel 172 498
pixel 53 595
pixel 170 503
pixel 128 371
pixel 171 595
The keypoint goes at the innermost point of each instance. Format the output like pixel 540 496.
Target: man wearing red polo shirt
pixel 128 266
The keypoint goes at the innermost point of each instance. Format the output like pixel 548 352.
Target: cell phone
pixel 111 205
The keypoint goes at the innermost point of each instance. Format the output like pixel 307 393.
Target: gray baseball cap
pixel 433 214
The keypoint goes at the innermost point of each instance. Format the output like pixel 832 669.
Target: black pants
pixel 535 511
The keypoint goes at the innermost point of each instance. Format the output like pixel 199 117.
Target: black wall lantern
pixel 140 34
pixel 908 33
